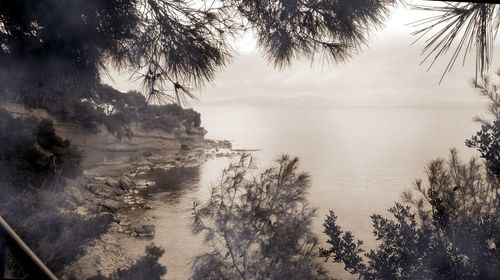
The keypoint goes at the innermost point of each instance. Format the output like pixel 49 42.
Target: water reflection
pixel 174 183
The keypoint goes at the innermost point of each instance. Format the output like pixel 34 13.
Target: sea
pixel 360 161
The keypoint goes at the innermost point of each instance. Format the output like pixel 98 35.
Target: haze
pixel 387 73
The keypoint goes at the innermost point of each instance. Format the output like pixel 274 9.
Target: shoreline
pixel 120 191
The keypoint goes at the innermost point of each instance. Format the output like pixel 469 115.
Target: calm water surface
pixel 360 160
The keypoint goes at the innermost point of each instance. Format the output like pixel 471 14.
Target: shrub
pixel 169 117
pixel 32 155
pixel 258 228
pixel 487 140
pixel 454 229
pixel 57 237
pixel 453 233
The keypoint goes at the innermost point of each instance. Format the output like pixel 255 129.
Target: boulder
pixel 108 217
pixel 113 182
pixel 77 196
pixel 145 231
pixel 106 190
pixel 111 205
pixel 126 183
pixel 142 183
pixel 125 223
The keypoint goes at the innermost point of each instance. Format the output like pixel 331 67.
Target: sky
pixel 387 72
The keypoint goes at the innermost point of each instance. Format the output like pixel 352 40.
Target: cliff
pixel 101 146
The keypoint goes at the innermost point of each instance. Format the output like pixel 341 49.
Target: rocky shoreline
pixel 119 191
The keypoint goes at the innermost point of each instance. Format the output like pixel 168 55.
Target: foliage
pixel 117 111
pixel 56 237
pixel 452 235
pixel 487 140
pixel 147 267
pixel 471 24
pixel 453 229
pixel 169 117
pixel 258 228
pixel 55 48
pixel 34 163
pixel 32 155
pixel 120 110
pixel 288 29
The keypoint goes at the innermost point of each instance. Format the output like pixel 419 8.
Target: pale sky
pixel 386 73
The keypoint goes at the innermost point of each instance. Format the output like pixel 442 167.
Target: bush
pixel 454 229
pixel 453 234
pixel 116 110
pixel 57 237
pixel 169 117
pixel 487 140
pixel 32 155
pixel 258 228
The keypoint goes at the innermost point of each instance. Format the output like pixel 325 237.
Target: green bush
pixel 32 155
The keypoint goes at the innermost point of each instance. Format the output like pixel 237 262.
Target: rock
pixel 105 190
pixel 112 182
pixel 120 229
pixel 145 231
pixel 76 195
pixel 107 216
pixel 125 223
pixel 184 148
pixel 126 183
pixel 141 184
pixel 111 205
pixel 147 153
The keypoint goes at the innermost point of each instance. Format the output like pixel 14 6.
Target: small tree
pixel 258 228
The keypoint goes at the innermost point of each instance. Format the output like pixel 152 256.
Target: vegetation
pixel 452 235
pixel 55 50
pixel 33 156
pixel 487 140
pixel 468 24
pixel 34 164
pixel 450 230
pixel 52 56
pixel 56 236
pixel 258 228
pixel 118 111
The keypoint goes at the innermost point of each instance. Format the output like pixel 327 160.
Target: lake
pixel 359 159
